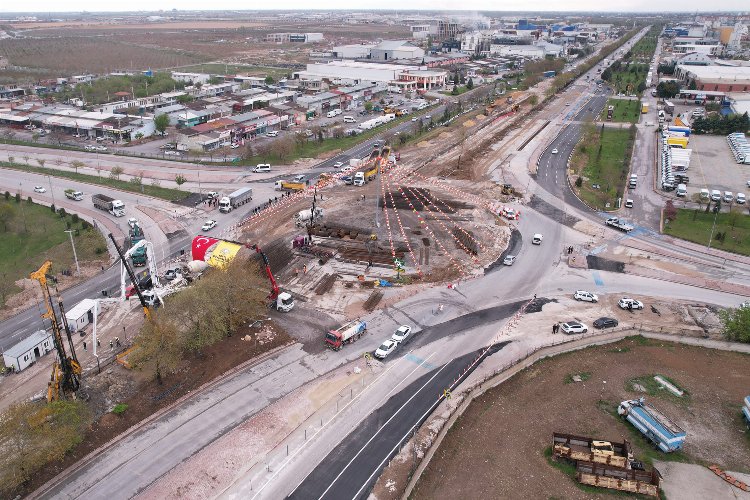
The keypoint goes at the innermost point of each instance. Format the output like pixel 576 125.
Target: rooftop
pixel 27 344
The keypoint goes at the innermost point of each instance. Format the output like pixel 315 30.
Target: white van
pixel 330 114
pixel 349 119
pixel 728 197
pixel 262 167
pixel 715 195
pixel 704 194
pixel 681 190
pixel 741 198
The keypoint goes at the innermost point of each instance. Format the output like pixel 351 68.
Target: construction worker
pixel 304 269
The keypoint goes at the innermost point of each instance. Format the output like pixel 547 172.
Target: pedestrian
pixel 534 296
pixel 304 269
pixel 630 306
pixel 111 345
pixel 553 329
pixel 557 327
pixel 84 345
pixel 275 199
pixel 98 343
pixel 117 341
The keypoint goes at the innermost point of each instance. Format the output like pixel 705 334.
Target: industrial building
pixel 355 72
pixel 391 50
pixel 294 37
pixel 715 78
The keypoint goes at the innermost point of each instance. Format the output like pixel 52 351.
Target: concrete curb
pixel 538 355
pixel 52 483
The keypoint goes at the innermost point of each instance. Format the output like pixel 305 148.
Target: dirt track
pixel 496 449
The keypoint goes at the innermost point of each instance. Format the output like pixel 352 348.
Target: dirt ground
pixel 144 396
pixel 496 448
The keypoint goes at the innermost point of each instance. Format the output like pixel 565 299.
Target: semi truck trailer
pixel 235 199
pixel 659 429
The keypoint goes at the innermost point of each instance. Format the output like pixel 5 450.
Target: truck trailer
pixel 619 224
pixel 235 199
pixel 289 186
pixel 346 334
pixel 659 429
pixel 104 202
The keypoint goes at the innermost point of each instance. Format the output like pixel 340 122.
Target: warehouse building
pixel 361 51
pixel 355 73
pixel 391 50
pixel 715 78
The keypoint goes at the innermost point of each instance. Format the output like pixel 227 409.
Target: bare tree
pixel 115 172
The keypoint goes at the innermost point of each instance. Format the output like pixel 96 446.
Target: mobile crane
pixel 146 304
pixel 281 301
pixel 66 370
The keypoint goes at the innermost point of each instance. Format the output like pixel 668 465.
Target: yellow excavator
pixel 66 370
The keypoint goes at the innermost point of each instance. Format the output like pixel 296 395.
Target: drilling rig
pixel 66 370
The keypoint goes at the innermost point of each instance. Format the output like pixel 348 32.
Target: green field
pixel 696 226
pixel 602 159
pixel 123 185
pixel 31 234
pixel 625 110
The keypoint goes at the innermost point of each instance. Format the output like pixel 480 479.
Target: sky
pixel 688 6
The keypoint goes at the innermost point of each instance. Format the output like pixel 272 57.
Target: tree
pixel 269 80
pixel 697 198
pixel 667 90
pixel 736 324
pixel 180 179
pixel 76 164
pixel 115 172
pixel 368 106
pixel 470 84
pixel 7 213
pixel 41 162
pixel 158 346
pixel 670 212
pixel 161 122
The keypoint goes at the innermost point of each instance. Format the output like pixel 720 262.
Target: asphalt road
pixel 352 467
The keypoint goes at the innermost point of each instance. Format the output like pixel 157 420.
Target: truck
pixel 73 194
pixel 289 186
pixel 548 74
pixel 355 162
pixel 579 448
pixel 139 257
pixel 104 202
pixel 619 224
pixel 346 334
pixel 644 108
pixel 235 199
pixel 303 216
pixel 669 107
pixel 653 424
pixel 359 179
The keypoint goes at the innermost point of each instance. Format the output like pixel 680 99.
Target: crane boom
pixel 274 286
pixel 133 279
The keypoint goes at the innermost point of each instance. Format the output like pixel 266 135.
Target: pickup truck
pixel 73 194
pixel 619 224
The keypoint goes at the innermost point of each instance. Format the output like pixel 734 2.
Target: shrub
pixel 18 197
pixel 119 408
pixel 7 195
pixel 85 224
pixel 29 200
pixel 75 218
pixel 579 182
pixel 62 213
pixel 52 207
pixel 100 250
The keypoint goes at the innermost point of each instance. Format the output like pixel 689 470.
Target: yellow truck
pixel 678 141
pixel 289 186
pixel 644 108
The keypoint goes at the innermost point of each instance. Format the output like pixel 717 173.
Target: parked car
pixel 605 322
pixel 385 349
pixel 628 303
pixel 100 148
pixel 628 203
pixel 272 133
pixel 212 194
pixel 235 145
pixel 170 274
pixel 209 224
pixel 585 296
pixel 348 180
pixel 574 327
pixel 537 239
pixel 509 260
pixel 401 334
pixel 171 153
pixel 39 189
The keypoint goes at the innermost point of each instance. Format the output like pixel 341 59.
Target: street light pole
pixel 710 239
pixel 75 256
pixel 50 189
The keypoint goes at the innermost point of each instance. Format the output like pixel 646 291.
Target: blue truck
pixel 664 433
pixel 746 410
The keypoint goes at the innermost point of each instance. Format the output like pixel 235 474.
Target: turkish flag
pixel 200 245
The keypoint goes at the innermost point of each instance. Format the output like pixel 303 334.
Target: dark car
pixel 605 323
pixel 348 179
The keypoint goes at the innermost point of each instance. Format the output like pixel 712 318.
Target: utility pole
pixel 75 256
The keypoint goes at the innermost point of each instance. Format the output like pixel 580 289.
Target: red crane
pixel 274 286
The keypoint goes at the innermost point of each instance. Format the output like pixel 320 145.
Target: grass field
pixel 31 234
pixel 240 69
pixel 602 159
pixel 625 110
pixel 147 189
pixel 696 226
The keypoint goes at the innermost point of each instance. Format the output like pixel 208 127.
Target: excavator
pixel 281 301
pixel 66 370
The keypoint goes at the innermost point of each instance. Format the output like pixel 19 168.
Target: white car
pixel 585 296
pixel 209 225
pixel 171 153
pixel 415 119
pixel 628 303
pixel 338 164
pixel 89 147
pixel 628 203
pixel 554 151
pixel 101 148
pixel 132 222
pixel 346 170
pixel 537 239
pixel 299 178
pixel 385 349
pixel 39 189
pixel 574 327
pixel 272 133
pixel 509 260
pixel 401 334
pixel 235 145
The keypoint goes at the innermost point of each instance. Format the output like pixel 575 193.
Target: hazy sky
pixel 483 5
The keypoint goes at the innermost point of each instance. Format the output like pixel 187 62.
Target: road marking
pixel 422 362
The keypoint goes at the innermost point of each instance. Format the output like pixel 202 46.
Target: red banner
pixel 200 245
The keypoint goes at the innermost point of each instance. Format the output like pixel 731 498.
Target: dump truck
pixel 346 334
pixel 139 257
pixel 235 199
pixel 619 224
pixel 586 449
pixel 73 194
pixel 104 202
pixel 659 429
pixel 289 186
pixel 644 108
